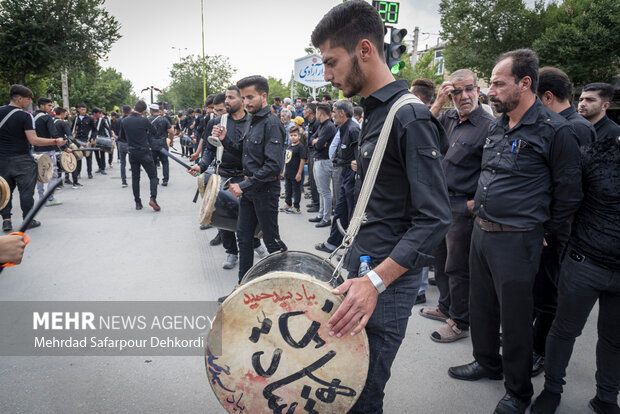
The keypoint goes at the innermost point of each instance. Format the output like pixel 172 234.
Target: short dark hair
pixel 605 90
pixel 277 99
pixel 327 96
pixel 325 108
pixel 81 105
pixel 209 100
pixel 304 100
pixel 311 107
pixel 219 99
pixel 259 82
pixel 344 105
pixel 140 106
pixel 59 110
pixel 348 23
pixel 424 89
pixel 43 101
pixel 126 109
pixel 96 110
pixel 524 63
pixel 555 81
pixel 189 111
pixel 358 110
pixel 234 88
pixel 296 129
pixel 114 113
pixel 20 90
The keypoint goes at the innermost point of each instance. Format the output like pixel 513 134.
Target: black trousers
pixel 546 286
pixel 503 266
pixel 144 159
pixel 76 173
pixel 258 206
pixel 100 157
pixel 452 264
pixel 229 242
pixel 582 284
pixel 344 206
pixel 314 192
pixel 292 192
pixel 89 164
pixel 19 171
pixel 165 165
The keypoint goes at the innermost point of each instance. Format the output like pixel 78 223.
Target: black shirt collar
pixel 384 94
pixel 263 112
pixel 473 118
pixel 601 122
pixel 568 112
pixel 529 118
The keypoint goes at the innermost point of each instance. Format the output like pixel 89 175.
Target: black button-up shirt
pixel 62 127
pixel 325 134
pixel 102 128
pixel 462 161
pixel 606 128
pixel 349 135
pixel 161 124
pixel 135 129
pixel 83 128
pixel 530 173
pixel 408 213
pixel 44 125
pixel 596 233
pixel 262 149
pixel 583 128
pixel 231 158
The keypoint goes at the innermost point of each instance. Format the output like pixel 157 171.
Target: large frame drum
pixel 77 154
pixel 5 193
pixel 219 208
pixel 66 162
pixel 269 349
pixel 186 141
pixel 45 168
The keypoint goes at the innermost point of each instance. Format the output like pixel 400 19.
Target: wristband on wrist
pixel 55 141
pixel 376 281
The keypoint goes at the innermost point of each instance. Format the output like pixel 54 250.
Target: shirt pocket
pixel 427 165
pixel 457 152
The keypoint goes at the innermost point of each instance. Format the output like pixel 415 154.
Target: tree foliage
pixel 186 88
pixel 422 69
pixel 39 37
pixel 277 88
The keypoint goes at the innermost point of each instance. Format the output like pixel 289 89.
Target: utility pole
pixel 65 88
pixel 414 52
pixel 152 88
pixel 204 76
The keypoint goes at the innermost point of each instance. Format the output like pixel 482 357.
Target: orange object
pixel 26 240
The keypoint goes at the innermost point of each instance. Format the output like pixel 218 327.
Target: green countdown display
pixel 388 10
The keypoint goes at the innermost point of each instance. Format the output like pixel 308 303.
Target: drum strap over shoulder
pixel 369 180
pixel 6 118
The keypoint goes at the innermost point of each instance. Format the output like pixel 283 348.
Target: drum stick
pixel 172 157
pixel 31 215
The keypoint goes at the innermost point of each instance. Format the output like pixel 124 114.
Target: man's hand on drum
pixel 235 189
pixel 219 132
pixel 60 141
pixel 356 309
pixel 195 170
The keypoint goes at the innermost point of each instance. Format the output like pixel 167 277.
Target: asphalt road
pixel 97 247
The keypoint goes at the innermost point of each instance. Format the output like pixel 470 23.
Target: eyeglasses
pixel 467 89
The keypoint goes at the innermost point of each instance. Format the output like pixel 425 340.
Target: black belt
pixel 230 173
pixel 455 194
pixel 490 226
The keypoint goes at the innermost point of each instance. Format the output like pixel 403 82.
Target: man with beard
pixel 467 126
pixel 158 141
pixel 593 103
pixel 529 186
pixel 231 167
pixel 259 191
pixel 408 211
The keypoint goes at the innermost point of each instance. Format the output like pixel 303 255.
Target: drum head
pixel 67 162
pixel 5 193
pixel 45 168
pixel 77 154
pixel 269 348
pixel 202 181
pixel 295 261
pixel 208 201
pixel 88 145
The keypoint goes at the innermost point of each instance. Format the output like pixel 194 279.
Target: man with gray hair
pixel 467 126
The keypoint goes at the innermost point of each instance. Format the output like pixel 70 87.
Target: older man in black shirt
pixel 467 127
pixel 590 273
pixel 262 162
pixel 135 129
pixel 408 211
pixel 529 186
pixel 593 103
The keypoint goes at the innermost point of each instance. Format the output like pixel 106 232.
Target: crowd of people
pixel 516 207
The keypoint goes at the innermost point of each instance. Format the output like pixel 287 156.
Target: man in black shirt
pixel 344 155
pixel 44 127
pixel 593 103
pixel 408 212
pixel 529 186
pixel 322 164
pixel 123 150
pixel 17 167
pixel 135 129
pixel 467 126
pixel 63 129
pixel 259 192
pixel 101 129
pixel 158 141
pixel 83 129
pixel 312 128
pixel 590 273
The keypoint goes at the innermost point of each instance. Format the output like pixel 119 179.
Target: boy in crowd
pixel 295 160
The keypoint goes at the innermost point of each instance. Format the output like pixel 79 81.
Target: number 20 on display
pixel 388 10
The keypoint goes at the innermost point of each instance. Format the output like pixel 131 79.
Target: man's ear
pixel 364 49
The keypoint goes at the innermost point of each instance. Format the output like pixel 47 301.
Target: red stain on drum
pixel 256 378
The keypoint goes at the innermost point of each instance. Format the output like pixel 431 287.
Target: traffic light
pixel 394 50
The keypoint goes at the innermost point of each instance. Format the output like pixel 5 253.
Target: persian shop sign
pixel 309 71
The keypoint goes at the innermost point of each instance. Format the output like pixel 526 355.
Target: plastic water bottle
pixel 364 266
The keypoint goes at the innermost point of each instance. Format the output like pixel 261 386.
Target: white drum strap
pixel 6 118
pixel 371 176
pixel 219 152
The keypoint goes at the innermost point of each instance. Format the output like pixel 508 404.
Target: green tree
pixel 277 88
pixel 478 31
pixel 39 37
pixel 185 89
pixel 422 69
pixel 582 38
